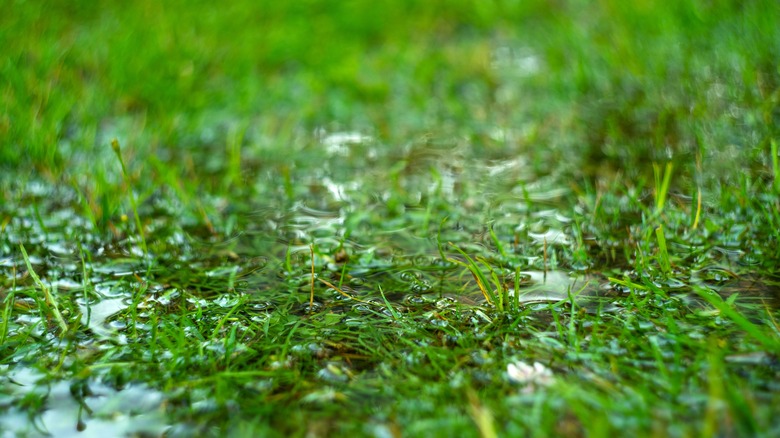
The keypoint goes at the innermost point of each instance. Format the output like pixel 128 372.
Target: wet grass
pixel 390 219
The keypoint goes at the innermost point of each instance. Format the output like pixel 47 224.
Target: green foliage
pixel 272 149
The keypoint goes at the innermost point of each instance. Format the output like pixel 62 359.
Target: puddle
pixel 751 289
pixel 339 143
pixel 550 237
pixel 521 61
pixel 538 287
pixel 590 290
pixel 554 286
pixel 78 409
pixel 95 315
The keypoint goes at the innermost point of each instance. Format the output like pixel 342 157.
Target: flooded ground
pixel 77 408
pixel 228 298
pixel 422 231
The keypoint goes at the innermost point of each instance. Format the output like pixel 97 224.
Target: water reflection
pixel 751 292
pixel 521 61
pixel 94 316
pixel 79 408
pixel 338 143
pixel 550 287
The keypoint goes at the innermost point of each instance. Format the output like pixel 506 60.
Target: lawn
pixel 390 218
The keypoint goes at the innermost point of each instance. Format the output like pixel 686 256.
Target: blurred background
pixel 259 98
pixel 170 74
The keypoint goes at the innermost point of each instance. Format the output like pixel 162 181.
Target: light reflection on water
pixel 521 61
pixel 338 143
pixel 540 287
pixel 95 315
pixel 80 408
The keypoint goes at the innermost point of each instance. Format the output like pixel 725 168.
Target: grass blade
pixel 661 186
pixel 118 151
pixel 479 277
pixel 50 300
pixel 775 164
pixel 768 340
pixel 663 253
pixel 390 308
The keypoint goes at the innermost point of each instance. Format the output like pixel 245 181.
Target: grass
pixel 352 218
pixel 140 229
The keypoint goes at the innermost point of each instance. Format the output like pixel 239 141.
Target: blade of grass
pixel 661 186
pixel 516 297
pixel 50 300
pixel 652 287
pixel 713 415
pixel 311 294
pixel 479 277
pixel 626 283
pixel 286 344
pixel 224 319
pixel 497 242
pixel 663 253
pixel 341 292
pixel 438 240
pixel 117 150
pixel 768 340
pixel 9 304
pixel 85 284
pixel 649 287
pixel 481 416
pixel 500 291
pixel 698 209
pixel 775 164
pixel 390 308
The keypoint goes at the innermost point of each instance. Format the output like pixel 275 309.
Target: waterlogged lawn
pixel 390 219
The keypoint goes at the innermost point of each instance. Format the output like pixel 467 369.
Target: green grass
pixel 332 218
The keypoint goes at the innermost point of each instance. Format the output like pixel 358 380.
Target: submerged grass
pixel 390 218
